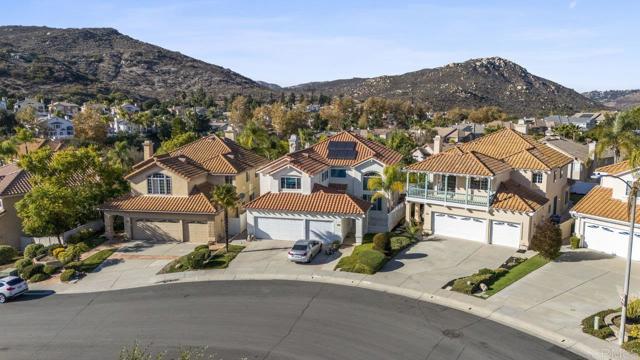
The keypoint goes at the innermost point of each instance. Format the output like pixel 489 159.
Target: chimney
pixel 437 144
pixel 147 149
pixel 294 145
pixel 592 149
pixel 230 133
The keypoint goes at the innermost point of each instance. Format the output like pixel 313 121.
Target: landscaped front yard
pixel 370 256
pixel 611 318
pixel 202 258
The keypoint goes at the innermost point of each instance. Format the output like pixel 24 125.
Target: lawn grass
pixel 93 261
pixel 516 273
pixel 365 260
pixel 218 260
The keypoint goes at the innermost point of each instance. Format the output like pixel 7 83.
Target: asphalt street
pixel 256 320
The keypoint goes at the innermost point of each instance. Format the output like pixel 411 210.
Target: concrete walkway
pixel 549 303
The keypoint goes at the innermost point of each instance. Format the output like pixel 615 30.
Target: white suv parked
pixel 10 287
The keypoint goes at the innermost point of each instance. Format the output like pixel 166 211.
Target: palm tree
pixel 120 155
pixel 387 186
pixel 619 137
pixel 226 197
pixel 253 136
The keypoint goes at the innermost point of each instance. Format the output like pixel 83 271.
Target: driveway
pixel 270 256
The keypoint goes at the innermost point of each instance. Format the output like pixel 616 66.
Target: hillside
pixel 473 83
pixel 617 99
pixel 102 60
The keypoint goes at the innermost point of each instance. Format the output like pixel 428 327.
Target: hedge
pixel 31 270
pixel 7 253
pixel 39 277
pixel 67 275
pixel 31 251
pixel 50 269
pixel 23 263
pixel 604 331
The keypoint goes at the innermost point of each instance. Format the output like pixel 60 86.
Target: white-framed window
pixel 554 176
pixel 537 178
pixel 561 171
pixel 365 179
pixel 376 205
pixel 325 175
pixel 159 184
pixel 290 183
pixel 338 173
pixel 479 183
pixel 228 179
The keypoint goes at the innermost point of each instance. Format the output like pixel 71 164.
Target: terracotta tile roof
pixel 196 203
pixel 613 169
pixel 209 154
pixel 321 200
pixel 515 197
pixel 36 144
pixel 14 180
pixel 457 162
pixel 341 188
pixel 599 202
pixel 506 146
pixel 315 159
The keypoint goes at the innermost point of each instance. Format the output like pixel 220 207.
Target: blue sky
pixel 581 44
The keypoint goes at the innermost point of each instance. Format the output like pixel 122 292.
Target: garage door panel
pixel 198 232
pixel 157 230
pixel 610 240
pixel 462 227
pixel 279 229
pixel 321 230
pixel 505 234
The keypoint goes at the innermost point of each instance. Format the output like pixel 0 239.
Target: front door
pixel 555 204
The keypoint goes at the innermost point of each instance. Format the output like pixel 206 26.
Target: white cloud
pixel 573 4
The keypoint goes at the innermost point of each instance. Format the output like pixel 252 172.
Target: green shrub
pixel 632 346
pixel 80 236
pixel 634 331
pixel 485 271
pixel 547 240
pixel 56 252
pixel 604 331
pixel 633 309
pixel 372 259
pixel 67 275
pixel 52 248
pixel 7 253
pixel 575 242
pixel 196 259
pixel 81 248
pixel 38 277
pixel 381 242
pixel 399 242
pixel 50 269
pixel 41 252
pixel 31 251
pixel 201 248
pixel 73 265
pixel 23 263
pixel 31 270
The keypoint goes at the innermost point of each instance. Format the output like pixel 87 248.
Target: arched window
pixel 159 184
pixel 365 179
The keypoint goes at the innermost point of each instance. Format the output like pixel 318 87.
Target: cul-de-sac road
pixel 256 320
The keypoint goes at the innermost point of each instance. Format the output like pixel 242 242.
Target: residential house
pixel 66 108
pixel 422 152
pixel 494 189
pixel 322 192
pixel 602 218
pixel 37 105
pixel 120 125
pixel 170 193
pixel 596 117
pixel 462 132
pixel 584 161
pixel 14 184
pixel 584 121
pixel 39 143
pixel 58 128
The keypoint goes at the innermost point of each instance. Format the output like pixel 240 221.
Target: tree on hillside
pixel 27 117
pixel 254 137
pixel 7 122
pixel 240 111
pixel 403 143
pixel 373 113
pixel 225 196
pixel 90 126
pixel 487 114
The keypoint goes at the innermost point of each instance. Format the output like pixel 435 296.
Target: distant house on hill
pixel 38 106
pixel 66 108
pixel 58 128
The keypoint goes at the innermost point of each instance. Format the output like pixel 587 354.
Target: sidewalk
pixel 549 303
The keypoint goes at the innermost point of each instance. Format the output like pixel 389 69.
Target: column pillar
pixel 466 191
pixel 128 228
pixel 361 223
pixel 446 188
pixel 108 226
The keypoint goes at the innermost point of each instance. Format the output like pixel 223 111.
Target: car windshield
pixel 299 247
pixel 15 281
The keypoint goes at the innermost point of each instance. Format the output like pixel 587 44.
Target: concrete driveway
pixel 270 256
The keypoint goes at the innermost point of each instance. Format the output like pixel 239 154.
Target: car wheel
pixel 3 299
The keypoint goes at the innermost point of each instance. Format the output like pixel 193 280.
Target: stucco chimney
pixel 592 149
pixel 437 144
pixel 147 149
pixel 230 133
pixel 294 144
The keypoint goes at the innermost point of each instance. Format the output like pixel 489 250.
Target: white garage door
pixel 321 230
pixel 611 240
pixel 505 234
pixel 279 229
pixel 197 231
pixel 163 230
pixel 462 227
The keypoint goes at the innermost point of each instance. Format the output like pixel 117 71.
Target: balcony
pixel 465 199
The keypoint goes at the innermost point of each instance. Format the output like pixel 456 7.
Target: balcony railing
pixel 463 198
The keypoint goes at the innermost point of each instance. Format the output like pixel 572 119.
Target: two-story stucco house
pixel 322 193
pixel 170 193
pixel 602 219
pixel 494 189
pixel 14 184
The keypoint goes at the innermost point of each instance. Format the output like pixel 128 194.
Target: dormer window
pixel 159 184
pixel 537 178
pixel 290 183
